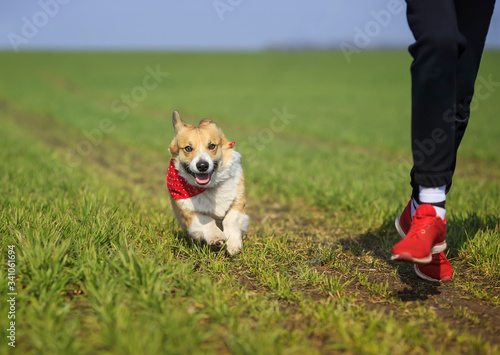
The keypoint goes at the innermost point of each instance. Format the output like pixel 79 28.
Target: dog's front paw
pixel 216 239
pixel 234 247
pixel 216 243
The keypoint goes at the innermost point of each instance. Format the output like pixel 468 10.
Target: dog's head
pixel 199 152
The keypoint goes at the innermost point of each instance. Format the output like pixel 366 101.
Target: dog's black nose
pixel 202 166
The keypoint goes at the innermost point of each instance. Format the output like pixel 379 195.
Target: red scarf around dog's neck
pixel 178 187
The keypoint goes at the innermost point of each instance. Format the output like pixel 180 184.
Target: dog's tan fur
pixel 218 214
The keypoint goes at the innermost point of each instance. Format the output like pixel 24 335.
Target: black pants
pixel 450 37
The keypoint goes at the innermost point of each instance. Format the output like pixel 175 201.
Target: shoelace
pixel 419 226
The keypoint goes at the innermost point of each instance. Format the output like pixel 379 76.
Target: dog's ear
pixel 177 122
pixel 205 121
pixel 225 142
pixel 178 125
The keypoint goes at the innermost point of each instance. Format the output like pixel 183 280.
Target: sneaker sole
pixel 438 248
pixel 425 277
pixel 407 257
pixel 398 227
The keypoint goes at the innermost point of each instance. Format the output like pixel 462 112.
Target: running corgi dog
pixel 206 185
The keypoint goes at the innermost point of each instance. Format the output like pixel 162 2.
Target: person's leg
pixel 438 44
pixel 473 18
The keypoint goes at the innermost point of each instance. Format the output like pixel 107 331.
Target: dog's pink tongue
pixel 202 179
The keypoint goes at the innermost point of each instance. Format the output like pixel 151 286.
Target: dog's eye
pixel 188 149
pixel 211 146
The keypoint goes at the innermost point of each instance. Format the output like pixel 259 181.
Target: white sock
pixel 432 195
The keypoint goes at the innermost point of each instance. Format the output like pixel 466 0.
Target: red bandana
pixel 178 186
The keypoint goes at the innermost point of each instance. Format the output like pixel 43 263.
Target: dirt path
pixel 366 253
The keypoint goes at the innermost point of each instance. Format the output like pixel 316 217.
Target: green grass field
pixel 102 267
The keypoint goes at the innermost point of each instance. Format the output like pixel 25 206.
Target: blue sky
pixel 206 24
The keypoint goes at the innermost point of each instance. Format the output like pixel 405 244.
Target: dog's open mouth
pixel 202 179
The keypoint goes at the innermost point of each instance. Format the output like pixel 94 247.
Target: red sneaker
pixel 439 269
pixel 425 237
pixel 403 221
